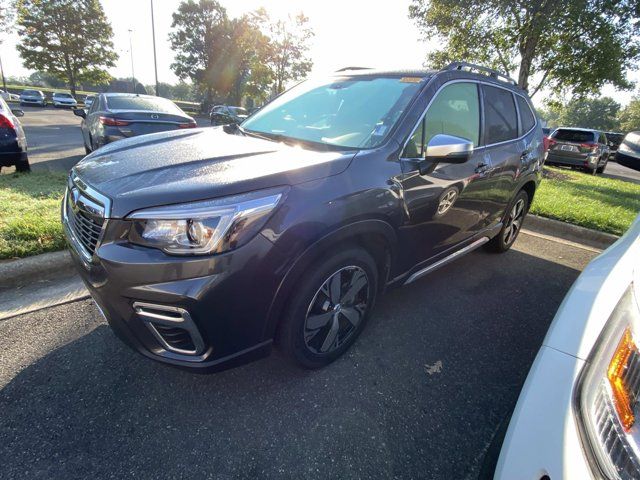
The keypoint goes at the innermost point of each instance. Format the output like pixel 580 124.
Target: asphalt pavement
pixel 420 394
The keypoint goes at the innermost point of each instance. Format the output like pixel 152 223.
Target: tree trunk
pixel 72 83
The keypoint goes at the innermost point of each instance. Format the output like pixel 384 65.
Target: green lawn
pixel 590 201
pixel 30 213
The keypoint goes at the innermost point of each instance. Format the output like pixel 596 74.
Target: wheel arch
pixel 530 188
pixel 377 237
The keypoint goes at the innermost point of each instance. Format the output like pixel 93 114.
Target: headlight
pixel 206 227
pixel 608 393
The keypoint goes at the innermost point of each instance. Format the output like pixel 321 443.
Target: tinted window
pixel 143 103
pixel 500 118
pixel 455 111
pixel 526 116
pixel 63 95
pixel 568 135
pixel 356 111
pixel 31 92
pixel 415 145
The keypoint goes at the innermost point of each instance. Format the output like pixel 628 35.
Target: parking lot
pixel 420 395
pixel 55 139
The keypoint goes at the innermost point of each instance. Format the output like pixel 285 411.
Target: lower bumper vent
pixel 173 327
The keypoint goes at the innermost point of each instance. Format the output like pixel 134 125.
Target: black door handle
pixel 482 167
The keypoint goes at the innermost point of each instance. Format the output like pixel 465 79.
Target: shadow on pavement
pixel 56 165
pixel 93 408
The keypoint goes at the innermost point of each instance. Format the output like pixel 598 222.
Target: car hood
pixel 184 166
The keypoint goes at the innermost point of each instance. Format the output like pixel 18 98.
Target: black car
pixel 203 247
pixel 226 115
pixel 614 139
pixel 13 143
pixel 114 116
pixel 579 148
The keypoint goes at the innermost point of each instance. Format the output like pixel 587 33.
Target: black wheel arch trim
pixel 351 233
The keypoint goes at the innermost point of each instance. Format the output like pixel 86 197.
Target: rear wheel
pixel 23 166
pixel 603 167
pixel 329 309
pixel 512 224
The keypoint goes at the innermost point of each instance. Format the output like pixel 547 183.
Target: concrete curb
pixel 569 232
pixel 15 271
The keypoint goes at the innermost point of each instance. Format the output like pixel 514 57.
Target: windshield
pixel 154 104
pixel 63 95
pixel 567 135
pixel 31 92
pixel 632 140
pixel 356 112
pixel 238 110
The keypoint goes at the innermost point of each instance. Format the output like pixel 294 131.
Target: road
pixel 420 395
pixel 55 139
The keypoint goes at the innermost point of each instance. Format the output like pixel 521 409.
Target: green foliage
pixel 231 58
pixel 590 201
pixel 6 16
pixel 574 45
pixel 70 39
pixel 30 217
pixel 630 116
pixel 598 113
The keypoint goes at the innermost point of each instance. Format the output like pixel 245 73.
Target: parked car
pixel 225 115
pixel 13 143
pixel 579 147
pixel 576 417
pixel 114 116
pixel 628 153
pixel 202 247
pixel 64 100
pixel 33 97
pixel 9 97
pixel 615 139
pixel 88 100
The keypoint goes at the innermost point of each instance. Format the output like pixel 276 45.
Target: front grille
pixel 86 229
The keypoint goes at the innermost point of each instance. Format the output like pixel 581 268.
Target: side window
pixel 526 116
pixel 455 111
pixel 500 118
pixel 94 105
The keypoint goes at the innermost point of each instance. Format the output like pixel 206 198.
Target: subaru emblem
pixel 155 116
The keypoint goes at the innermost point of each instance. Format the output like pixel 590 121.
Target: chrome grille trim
pixel 84 216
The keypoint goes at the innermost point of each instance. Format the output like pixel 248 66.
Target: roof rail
pixel 471 67
pixel 352 68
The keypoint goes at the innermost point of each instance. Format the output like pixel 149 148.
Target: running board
pixel 446 260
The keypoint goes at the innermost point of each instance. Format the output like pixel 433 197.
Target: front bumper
pixel 543 437
pixel 227 297
pixel 64 104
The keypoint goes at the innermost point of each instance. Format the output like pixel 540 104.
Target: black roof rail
pixel 353 68
pixel 480 69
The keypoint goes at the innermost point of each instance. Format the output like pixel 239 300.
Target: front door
pixel 446 204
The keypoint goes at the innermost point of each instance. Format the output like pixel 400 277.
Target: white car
pixel 63 99
pixel 578 415
pixel 88 101
pixel 6 96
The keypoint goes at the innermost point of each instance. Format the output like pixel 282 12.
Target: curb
pixel 14 271
pixel 569 232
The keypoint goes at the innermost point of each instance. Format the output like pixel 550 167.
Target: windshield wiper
pixel 293 141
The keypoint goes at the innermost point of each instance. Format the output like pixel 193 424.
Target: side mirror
pixel 18 112
pixel 444 148
pixel 80 112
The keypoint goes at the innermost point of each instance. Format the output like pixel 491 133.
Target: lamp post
pixel 155 61
pixel 133 75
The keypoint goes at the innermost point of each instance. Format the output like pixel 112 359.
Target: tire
pixel 507 236
pixel 23 166
pixel 325 295
pixel 602 168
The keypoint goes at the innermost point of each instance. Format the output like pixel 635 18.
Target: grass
pixel 30 207
pixel 590 201
pixel 30 214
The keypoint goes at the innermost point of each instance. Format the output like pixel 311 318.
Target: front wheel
pixel 329 308
pixel 512 224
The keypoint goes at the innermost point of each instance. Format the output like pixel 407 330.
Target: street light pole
pixel 155 61
pixel 133 75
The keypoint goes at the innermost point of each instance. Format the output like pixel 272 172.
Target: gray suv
pixel 579 147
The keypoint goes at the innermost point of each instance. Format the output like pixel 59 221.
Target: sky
pixel 347 33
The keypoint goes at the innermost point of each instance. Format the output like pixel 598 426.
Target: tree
pixel 6 16
pixel 630 116
pixel 574 45
pixel 289 58
pixel 199 36
pixel 70 39
pixel 597 113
